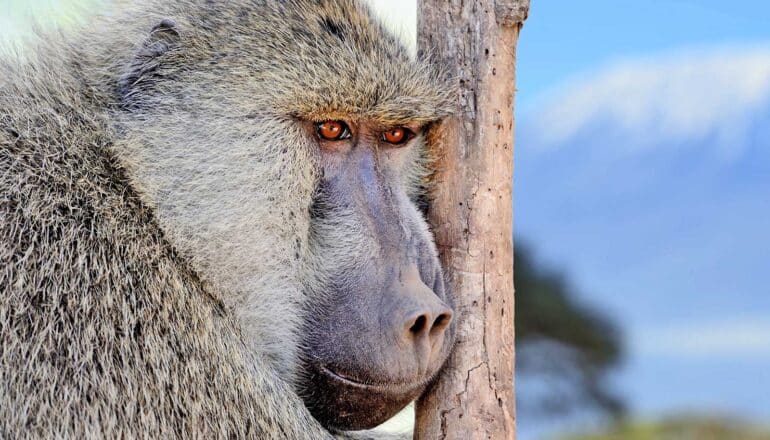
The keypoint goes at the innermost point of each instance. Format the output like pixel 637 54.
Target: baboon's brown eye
pixel 333 130
pixel 397 135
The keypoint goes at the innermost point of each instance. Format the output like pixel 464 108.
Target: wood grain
pixel 472 215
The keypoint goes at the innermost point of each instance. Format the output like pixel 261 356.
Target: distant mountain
pixel 649 183
pixel 653 199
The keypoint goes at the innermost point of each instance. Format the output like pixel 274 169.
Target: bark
pixel 472 215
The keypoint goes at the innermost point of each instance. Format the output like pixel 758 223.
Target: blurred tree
pixel 564 350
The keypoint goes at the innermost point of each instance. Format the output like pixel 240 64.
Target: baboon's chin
pixel 341 402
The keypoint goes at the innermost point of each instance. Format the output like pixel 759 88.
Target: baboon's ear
pixel 146 66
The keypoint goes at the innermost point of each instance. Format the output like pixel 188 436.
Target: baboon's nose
pixel 426 327
pixel 423 322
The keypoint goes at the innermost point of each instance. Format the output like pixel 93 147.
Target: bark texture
pixel 472 215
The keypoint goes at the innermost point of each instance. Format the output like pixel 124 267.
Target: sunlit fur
pixel 155 186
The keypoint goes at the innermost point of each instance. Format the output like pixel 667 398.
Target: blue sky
pixel 564 38
pixel 643 171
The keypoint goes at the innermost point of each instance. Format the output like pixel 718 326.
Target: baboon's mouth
pixel 349 402
pixel 382 387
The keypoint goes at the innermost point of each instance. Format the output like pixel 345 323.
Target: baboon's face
pixel 279 145
pixel 379 322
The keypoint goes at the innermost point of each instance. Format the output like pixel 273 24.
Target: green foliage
pixel 561 341
pixel 682 428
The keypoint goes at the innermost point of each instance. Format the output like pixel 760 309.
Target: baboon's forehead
pixel 333 57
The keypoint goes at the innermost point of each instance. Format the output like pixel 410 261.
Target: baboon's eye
pixel 397 135
pixel 333 130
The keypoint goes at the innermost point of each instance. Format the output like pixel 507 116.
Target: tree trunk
pixel 472 215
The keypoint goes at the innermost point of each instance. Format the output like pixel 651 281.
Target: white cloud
pixel 400 17
pixel 680 97
pixel 734 337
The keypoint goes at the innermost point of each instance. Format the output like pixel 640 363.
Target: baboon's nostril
pixel 419 324
pixel 441 322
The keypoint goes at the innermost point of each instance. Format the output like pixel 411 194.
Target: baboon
pixel 208 225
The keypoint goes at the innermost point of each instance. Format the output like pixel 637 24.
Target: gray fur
pixel 155 189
